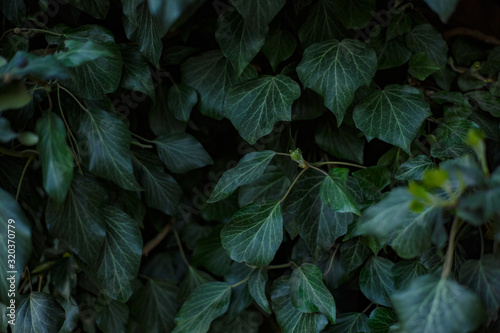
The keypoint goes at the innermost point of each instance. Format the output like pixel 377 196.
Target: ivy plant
pixel 259 166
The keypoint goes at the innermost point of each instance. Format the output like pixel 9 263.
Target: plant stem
pixel 338 163
pixel 179 244
pixel 291 186
pixel 157 240
pixel 22 176
pixel 315 168
pixel 239 283
pixel 283 154
pixel 367 308
pixel 331 260
pixel 279 266
pixel 141 145
pixel 448 260
pixel 73 96
pixel 482 241
pixel 23 153
pixel 143 139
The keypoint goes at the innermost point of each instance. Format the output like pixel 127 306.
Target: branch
pixel 476 34
pixel 157 240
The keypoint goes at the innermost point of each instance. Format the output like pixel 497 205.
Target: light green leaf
pixel 444 8
pixel 254 106
pixel 181 152
pixel 207 302
pixel 239 40
pixel 13 96
pixel 79 52
pixel 211 74
pixel 321 24
pixel 95 8
pixel 354 14
pixel 38 311
pixel 254 233
pixel 11 211
pixel 317 224
pixel 308 292
pixel 393 115
pixel 107 140
pixel 436 305
pixel 249 168
pixel 483 277
pixel 336 194
pixel 279 46
pixel 257 288
pixel 289 318
pixel 86 232
pixel 111 316
pixel 350 322
pixel 424 38
pixel 376 281
pixel 258 13
pixel 57 160
pixel 271 186
pixel 415 168
pixel 421 66
pixel 181 100
pixel 381 319
pixel 345 143
pixel 353 254
pixel 191 281
pixel 335 70
pixel 155 306
pixel 136 74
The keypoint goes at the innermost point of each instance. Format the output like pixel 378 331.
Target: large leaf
pixel 308 292
pixel 12 215
pixel 95 8
pixel 335 70
pixel 258 13
pixel 254 233
pixel 317 224
pixel 181 152
pixel 289 318
pixel 393 115
pixel 57 160
pixel 254 106
pixel 336 194
pixel 483 277
pixel 120 255
pixel 211 74
pixel 437 305
pixel 83 207
pixel 249 168
pixel 207 302
pixel 321 24
pixel 351 322
pixel 376 281
pixel 136 74
pixel 424 38
pixel 107 141
pixel 238 39
pixel 354 14
pixel 444 8
pixel 38 312
pixel 257 288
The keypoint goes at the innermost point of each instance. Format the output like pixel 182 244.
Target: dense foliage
pixel 248 166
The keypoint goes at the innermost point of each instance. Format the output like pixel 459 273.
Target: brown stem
pixel 157 240
pixel 476 34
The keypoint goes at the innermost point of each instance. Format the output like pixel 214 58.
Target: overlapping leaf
pixel 376 281
pixel 257 288
pixel 336 194
pixel 36 311
pixel 181 100
pixel 321 24
pixel 258 13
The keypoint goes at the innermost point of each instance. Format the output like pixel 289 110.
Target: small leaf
pixel 376 281
pixel 354 14
pixel 344 142
pixel 182 152
pixel 421 66
pixel 257 288
pixel 279 46
pixel 166 13
pixel 373 180
pixel 136 74
pixel 192 280
pixel 254 106
pixel 271 186
pixel 350 322
pixel 381 319
pixel 38 310
pixel 249 168
pixel 486 101
pixel 308 292
pixel 207 302
pixel 13 96
pixel 254 233
pixel 390 53
pixel 44 68
pixel 444 8
pixel 181 100
pixel 398 25
pixel 414 168
pixel 335 193
pixel 424 38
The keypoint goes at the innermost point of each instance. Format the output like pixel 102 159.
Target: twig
pixel 157 240
pixel 179 244
pixel 331 260
pixel 476 34
pixel 448 260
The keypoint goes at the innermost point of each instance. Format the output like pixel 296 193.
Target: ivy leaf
pixel 161 189
pixel 398 25
pixel 390 53
pixel 486 101
pixel 181 100
pixel 453 131
pixel 44 68
pixel 351 322
pixel 354 14
pixel 270 186
pixel 393 115
pixel 64 276
pixel 107 140
pixel 353 254
pixel 477 208
pixel 376 281
pixel 455 97
pixel 279 46
pixel 120 255
pixel 111 316
pixel 405 272
pixel 444 8
pixel 211 74
pixel 289 318
pixel 207 302
pixel 258 13
pixel 335 70
pixel 432 304
pixel 249 168
pixel 38 310
pixel 239 41
pixel 10 210
pixel 240 295
pixel 192 280
pixel 181 152
pixel 167 13
pixel 79 52
pixel 373 180
pixel 95 8
pixel 308 292
pixel 321 24
pixel 161 119
pixel 155 306
pixel 57 160
pixel 421 66
pixel 136 74
pixel 14 10
pixel 424 38
pixel 210 254
pixel 483 277
pixel 83 207
pixel 344 142
pixel 415 168
pixel 335 193
pixel 317 224
pixel 381 319
pixel 254 233
pixel 254 106
pixel 257 288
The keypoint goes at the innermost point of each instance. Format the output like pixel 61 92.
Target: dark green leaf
pixel 398 25
pixel 210 254
pixel 373 180
pixel 353 254
pixel 257 288
pixel 95 8
pixel 38 311
pixel 258 13
pixel 354 14
pixel 424 38
pixel 390 53
pixel 405 272
pixel 166 13
pixel 136 74
pixel 192 280
pixel 421 66
pixel 486 101
pixel 321 24
pixel 351 322
pixel 240 295
pixel 44 68
pixel 181 100
pixel 161 119
pixel 64 276
pixel 344 142
pixel 453 131
pixel 79 52
pixel 444 8
pixel 381 319
pixel 335 70
pixel 477 208
pixel 376 281
pixel 415 168
pixel 272 185
pixel 279 46
pixel 111 316
pixel 455 97
pixel 336 194
pixel 14 10
pixel 6 133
